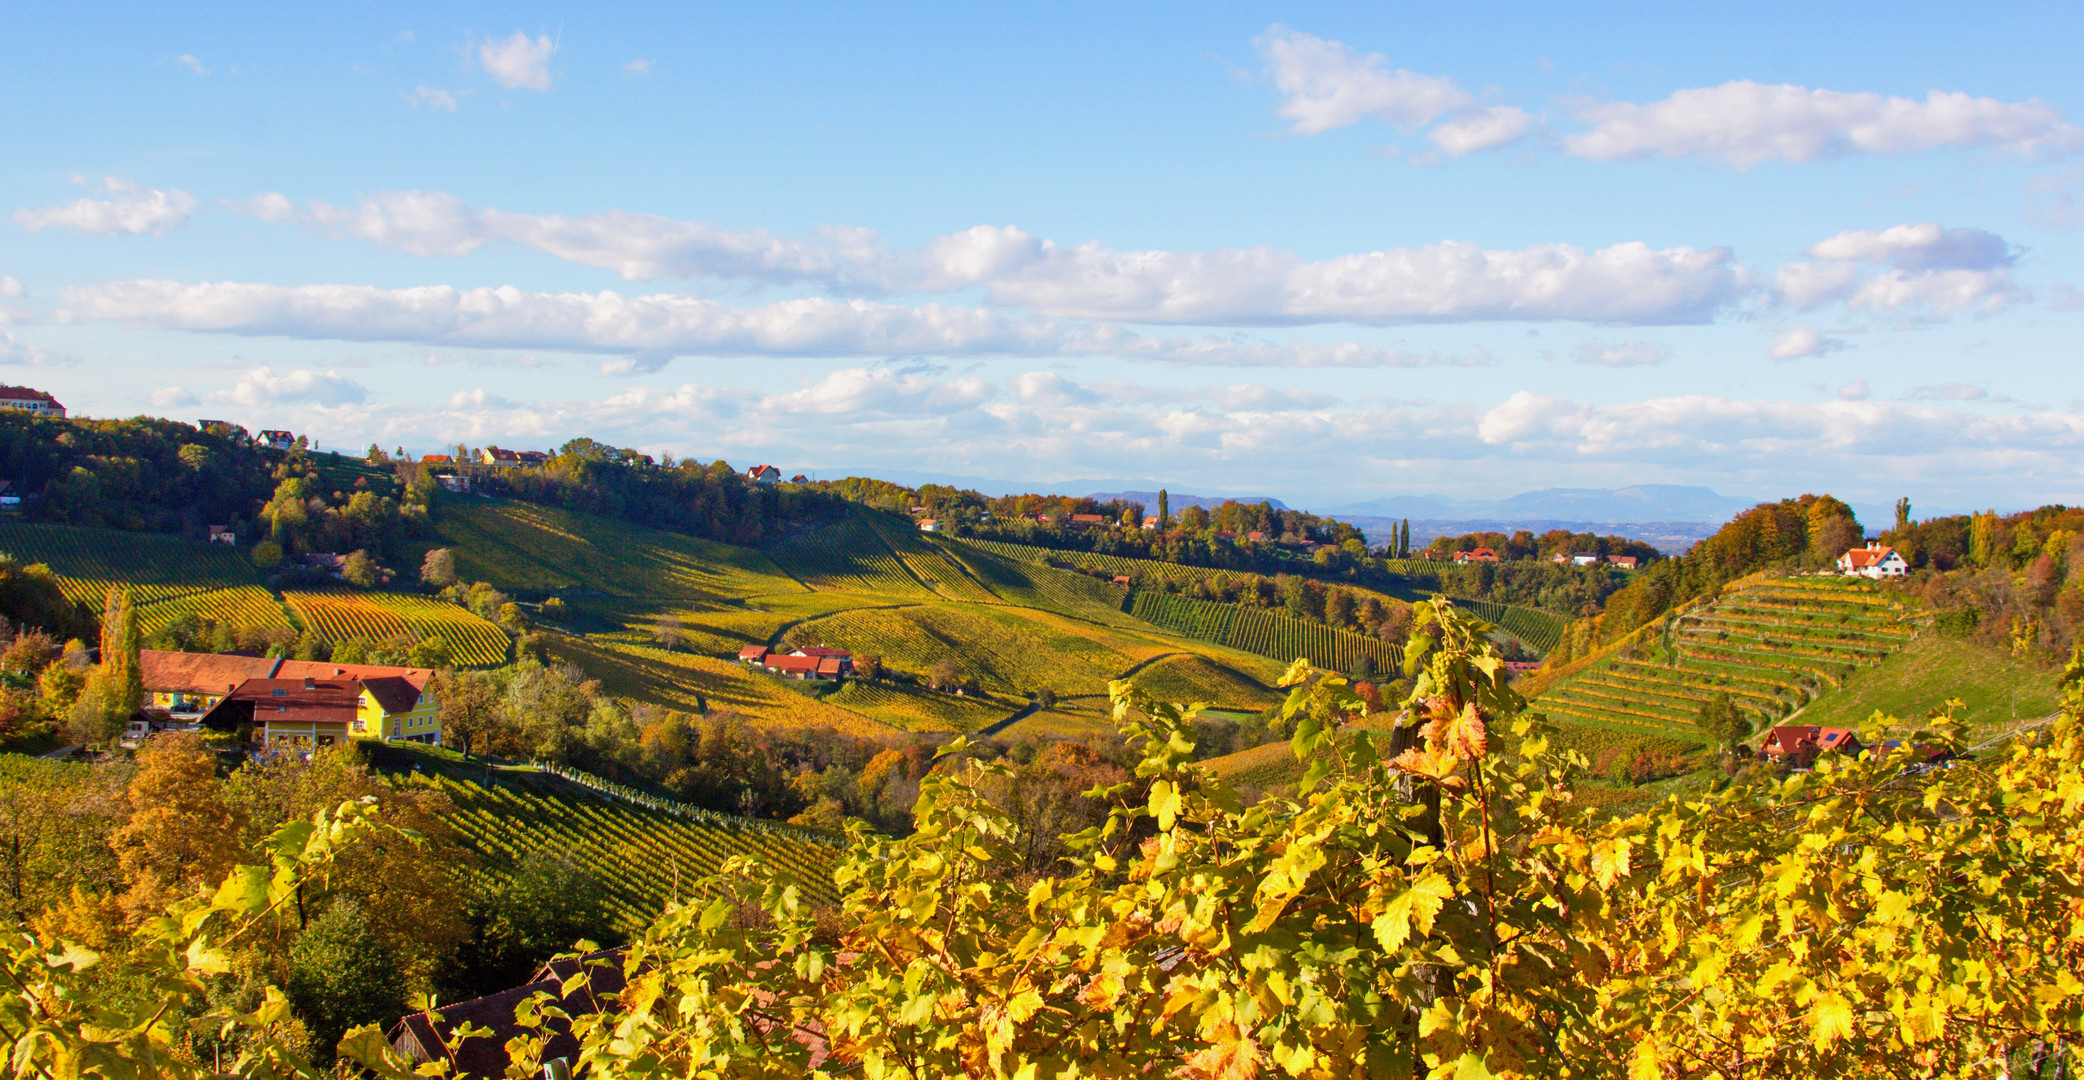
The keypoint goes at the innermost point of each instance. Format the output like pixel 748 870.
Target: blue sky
pixel 1326 252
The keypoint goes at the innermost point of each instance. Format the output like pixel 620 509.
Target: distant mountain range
pixel 1149 499
pixel 1641 503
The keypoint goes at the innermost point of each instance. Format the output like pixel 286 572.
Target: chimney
pixel 310 683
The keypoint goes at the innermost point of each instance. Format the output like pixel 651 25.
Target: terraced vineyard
pixel 636 851
pixel 1773 645
pixel 377 616
pixel 849 557
pixel 1266 633
pixel 1538 630
pixel 168 576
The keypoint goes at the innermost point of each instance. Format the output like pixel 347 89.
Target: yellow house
pixel 389 703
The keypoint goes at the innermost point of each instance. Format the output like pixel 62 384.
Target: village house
pixel 379 702
pixel 1087 521
pixel 499 459
pixel 1150 522
pixel 219 427
pixel 810 662
pixel 1255 536
pixel 1797 746
pixel 1482 554
pixel 930 525
pixel 276 439
pixel 436 459
pixel 30 401
pixel 1875 560
pixel 763 474
pixel 451 482
pixel 1623 562
pixel 223 534
pixel 799 478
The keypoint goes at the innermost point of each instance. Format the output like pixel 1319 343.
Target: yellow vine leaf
pixel 1830 1019
pixel 1416 906
pixel 1610 861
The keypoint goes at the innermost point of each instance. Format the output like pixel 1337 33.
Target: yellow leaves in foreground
pixel 1414 908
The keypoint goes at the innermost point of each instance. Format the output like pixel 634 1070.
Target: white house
pixel 1875 561
pixel 763 474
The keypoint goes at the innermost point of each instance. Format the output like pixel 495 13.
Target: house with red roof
pixel 30 401
pixel 383 702
pixel 1482 554
pixel 1622 562
pixel 1797 746
pixel 763 474
pixel 276 439
pixel 1087 521
pixel 1875 560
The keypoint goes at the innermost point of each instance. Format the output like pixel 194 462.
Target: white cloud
pixel 1919 247
pixel 172 397
pixel 16 352
pixel 195 67
pixel 261 386
pixel 518 62
pixel 433 97
pixel 1743 124
pixel 1631 354
pixel 127 209
pixel 1450 282
pixel 1933 270
pixel 1500 125
pixel 1797 342
pixel 10 287
pixel 639 67
pixel 1330 85
pixel 1856 390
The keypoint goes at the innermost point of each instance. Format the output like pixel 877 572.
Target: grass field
pixel 639 854
pixel 169 577
pixel 1930 670
pixel 340 614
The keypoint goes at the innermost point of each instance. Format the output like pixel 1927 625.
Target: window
pixel 279 693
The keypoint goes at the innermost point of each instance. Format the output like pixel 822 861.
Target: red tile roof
pixel 24 393
pixel 315 701
pixel 754 653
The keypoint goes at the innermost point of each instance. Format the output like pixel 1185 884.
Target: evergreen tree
pixel 1903 514
pixel 1164 509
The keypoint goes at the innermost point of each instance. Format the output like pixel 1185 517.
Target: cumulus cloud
pixel 1328 84
pixel 1702 430
pixel 127 208
pixel 1450 282
pixel 1797 342
pixel 518 62
pixel 172 397
pixel 1744 124
pixel 1930 269
pixel 1630 354
pixel 261 386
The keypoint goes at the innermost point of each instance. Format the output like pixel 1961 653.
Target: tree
pixel 1903 514
pixel 114 688
pixel 267 555
pixel 181 833
pixel 868 666
pixel 359 570
pixel 438 568
pixel 431 651
pixel 1722 722
pixel 341 974
pixel 1164 509
pixel 946 674
pixel 550 901
pixel 470 709
pixel 667 633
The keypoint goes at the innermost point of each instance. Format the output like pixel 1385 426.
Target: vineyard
pixel 339 615
pixel 523 547
pixel 1185 678
pixel 638 853
pixel 928 562
pixel 169 577
pixel 1266 633
pixel 1538 630
pixel 1772 645
pixel 850 557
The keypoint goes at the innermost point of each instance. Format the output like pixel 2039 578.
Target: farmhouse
pixel 1873 561
pixel 276 439
pixel 763 474
pixel 498 459
pixel 1482 554
pixel 223 534
pixel 389 703
pixel 930 525
pixel 1087 521
pixel 1797 745
pixel 1150 522
pixel 810 662
pixel 436 459
pixel 30 401
pixel 1624 562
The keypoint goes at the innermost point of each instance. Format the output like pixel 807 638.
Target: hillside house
pixel 1151 522
pixel 799 478
pixel 930 525
pixel 30 401
pixel 1797 746
pixel 1121 580
pixel 1255 536
pixel 326 562
pixel 1875 560
pixel 1087 521
pixel 223 534
pixel 219 427
pixel 451 482
pixel 763 474
pixel 1482 554
pixel 1584 558
pixel 499 459
pixel 531 457
pixel 810 662
pixel 436 459
pixel 1622 562
pixel 276 439
pixel 389 703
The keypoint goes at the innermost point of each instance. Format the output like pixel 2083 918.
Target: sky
pixel 1326 252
